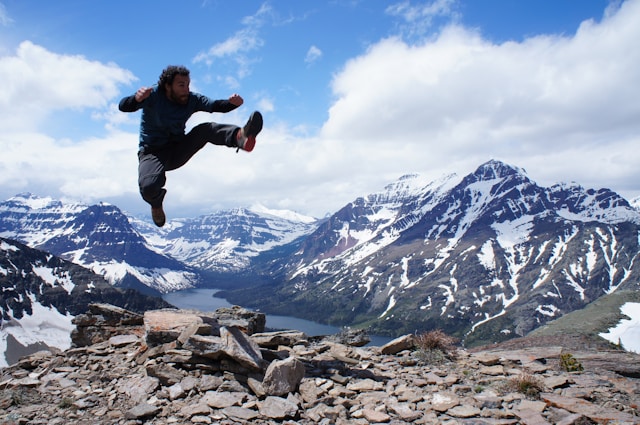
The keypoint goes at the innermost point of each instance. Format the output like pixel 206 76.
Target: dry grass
pixel 527 384
pixel 435 346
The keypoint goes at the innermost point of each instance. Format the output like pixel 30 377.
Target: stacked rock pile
pixel 186 367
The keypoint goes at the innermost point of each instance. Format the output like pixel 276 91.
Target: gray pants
pixel 154 162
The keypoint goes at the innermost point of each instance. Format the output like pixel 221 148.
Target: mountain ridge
pixel 487 256
pixel 133 253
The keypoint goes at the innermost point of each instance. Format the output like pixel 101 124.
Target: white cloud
pixel 425 11
pixel 265 104
pixel 236 50
pixel 313 54
pixel 563 108
pixel 244 40
pixel 418 19
pixel 42 82
pixel 39 84
pixel 87 170
pixel 5 19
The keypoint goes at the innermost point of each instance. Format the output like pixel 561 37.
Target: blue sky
pixel 354 94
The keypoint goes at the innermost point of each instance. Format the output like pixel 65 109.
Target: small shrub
pixel 570 363
pixel 435 347
pixel 436 339
pixel 17 398
pixel 526 384
pixel 65 403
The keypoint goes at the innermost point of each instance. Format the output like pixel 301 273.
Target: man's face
pixel 178 91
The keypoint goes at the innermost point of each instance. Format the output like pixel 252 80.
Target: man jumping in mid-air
pixel 164 146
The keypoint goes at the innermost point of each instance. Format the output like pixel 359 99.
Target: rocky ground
pixel 179 367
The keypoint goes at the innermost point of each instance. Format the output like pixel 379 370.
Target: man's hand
pixel 236 99
pixel 143 93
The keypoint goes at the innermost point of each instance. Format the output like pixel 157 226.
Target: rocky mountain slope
pixel 487 257
pixel 157 369
pixel 42 293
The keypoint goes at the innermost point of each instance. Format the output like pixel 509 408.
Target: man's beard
pixel 179 99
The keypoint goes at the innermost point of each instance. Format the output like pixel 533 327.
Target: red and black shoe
pixel 247 134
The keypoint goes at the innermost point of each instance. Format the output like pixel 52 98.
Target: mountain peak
pixel 494 169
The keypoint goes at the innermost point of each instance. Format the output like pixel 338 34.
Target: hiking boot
pixel 157 214
pixel 247 134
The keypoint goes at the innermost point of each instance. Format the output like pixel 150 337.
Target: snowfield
pixel 627 332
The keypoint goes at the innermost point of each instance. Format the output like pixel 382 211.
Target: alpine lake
pixel 205 300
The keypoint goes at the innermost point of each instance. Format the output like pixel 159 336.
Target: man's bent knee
pixel 151 190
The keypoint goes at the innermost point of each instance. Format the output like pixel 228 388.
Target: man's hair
pixel 169 73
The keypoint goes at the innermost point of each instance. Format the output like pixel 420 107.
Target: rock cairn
pixel 187 367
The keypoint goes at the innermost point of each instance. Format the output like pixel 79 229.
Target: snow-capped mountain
pixel 487 257
pixel 98 237
pixel 228 240
pixel 42 293
pixel 131 252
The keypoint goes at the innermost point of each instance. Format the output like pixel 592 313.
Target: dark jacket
pixel 163 121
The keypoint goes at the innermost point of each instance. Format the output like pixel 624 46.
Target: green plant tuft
pixel 570 363
pixel 65 403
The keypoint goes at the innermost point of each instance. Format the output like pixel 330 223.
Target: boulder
pixel 250 322
pixel 397 345
pixel 283 376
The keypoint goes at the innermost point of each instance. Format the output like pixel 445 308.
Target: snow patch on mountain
pixel 48 276
pixel 7 247
pixel 515 232
pixel 34 202
pixel 486 256
pixel 283 214
pixel 161 278
pixel 45 324
pixel 627 331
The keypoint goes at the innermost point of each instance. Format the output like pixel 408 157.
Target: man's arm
pixel 129 104
pixel 236 100
pixel 221 105
pixel 134 102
